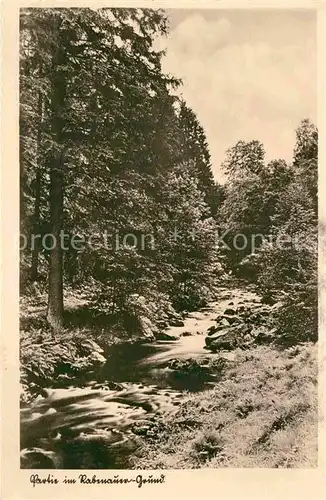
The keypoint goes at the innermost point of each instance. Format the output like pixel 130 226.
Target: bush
pixel 290 276
pixel 51 361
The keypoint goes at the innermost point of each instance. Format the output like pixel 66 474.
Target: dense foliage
pixel 109 153
pixel 275 206
pixel 112 158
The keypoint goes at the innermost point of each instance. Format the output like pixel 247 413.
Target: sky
pixel 247 75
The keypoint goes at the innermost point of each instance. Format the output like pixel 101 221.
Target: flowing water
pixel 98 424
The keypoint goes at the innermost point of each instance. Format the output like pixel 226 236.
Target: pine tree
pixel 195 150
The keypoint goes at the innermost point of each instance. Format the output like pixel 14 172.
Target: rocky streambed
pixel 98 423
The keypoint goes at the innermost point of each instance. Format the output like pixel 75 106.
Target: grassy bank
pixel 262 414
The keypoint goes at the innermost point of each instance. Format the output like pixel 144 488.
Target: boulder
pixel 109 385
pixel 228 319
pixel 212 329
pixel 229 311
pixel 232 318
pixel 257 319
pixel 162 324
pixel 176 322
pixel 226 339
pixel 170 312
pixel 88 346
pixel 186 334
pixel 50 411
pixel 97 358
pixel 189 367
pixel 141 430
pixel 217 328
pixel 263 335
pixel 62 379
pixel 37 458
pixel 165 336
pixel 147 327
pixel 176 364
pixel 222 321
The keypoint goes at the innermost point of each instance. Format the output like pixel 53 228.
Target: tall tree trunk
pixel 22 215
pixel 36 227
pixel 36 216
pixel 55 297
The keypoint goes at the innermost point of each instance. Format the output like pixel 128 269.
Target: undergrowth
pixel 262 414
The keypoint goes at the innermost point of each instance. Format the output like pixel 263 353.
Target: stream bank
pixel 180 401
pixel 57 361
pixel 262 413
pixel 137 380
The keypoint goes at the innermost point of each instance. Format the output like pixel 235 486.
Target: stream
pixel 99 423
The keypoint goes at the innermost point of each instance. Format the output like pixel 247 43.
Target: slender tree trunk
pixel 38 180
pixel 22 214
pixel 36 227
pixel 55 297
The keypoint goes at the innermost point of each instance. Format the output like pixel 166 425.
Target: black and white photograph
pixel 168 273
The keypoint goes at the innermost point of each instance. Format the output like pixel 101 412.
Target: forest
pixel 125 232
